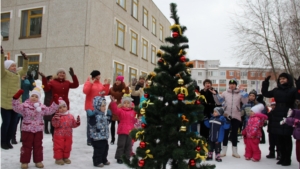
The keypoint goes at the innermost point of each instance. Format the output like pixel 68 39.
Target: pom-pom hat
pixel 36 91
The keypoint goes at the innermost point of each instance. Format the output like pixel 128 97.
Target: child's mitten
pixel 18 94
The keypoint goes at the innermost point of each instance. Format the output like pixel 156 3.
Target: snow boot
pixel 24 166
pixel 235 153
pixel 59 162
pixel 271 154
pixel 67 161
pixel 278 156
pixel 39 165
pixel 218 158
pixel 223 152
pixel 4 146
pixel 209 156
pixel 14 141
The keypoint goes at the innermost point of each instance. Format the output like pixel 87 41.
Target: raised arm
pixel 16 105
pixel 3 71
pixel 75 123
pixel 24 69
pixel 87 86
pixel 264 88
pixel 114 108
pixel 46 84
pixel 75 83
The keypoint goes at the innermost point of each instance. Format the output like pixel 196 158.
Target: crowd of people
pixel 227 115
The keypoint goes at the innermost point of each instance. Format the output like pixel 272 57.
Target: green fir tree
pixel 169 109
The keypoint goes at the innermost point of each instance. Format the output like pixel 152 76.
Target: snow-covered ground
pixel 81 154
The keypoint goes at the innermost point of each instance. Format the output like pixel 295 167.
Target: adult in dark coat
pixel 208 106
pixel 47 102
pixel 285 96
pixel 60 86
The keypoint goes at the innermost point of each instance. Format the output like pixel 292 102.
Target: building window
pixel 132 73
pixel 118 69
pixel 153 54
pixel 134 39
pixel 252 74
pixel 153 25
pixel 145 18
pixel 33 64
pixel 212 73
pixel 222 73
pixel 263 74
pixel 231 73
pixel 31 23
pixel 243 81
pixel 135 6
pixel 244 73
pixel 222 89
pixel 252 82
pixel 5 20
pixel 144 74
pixel 213 81
pixel 222 81
pixel 199 81
pixel 199 73
pixel 122 3
pixel 161 32
pixel 145 50
pixel 120 34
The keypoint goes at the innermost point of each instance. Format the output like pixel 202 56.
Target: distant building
pixel 117 37
pixel 249 78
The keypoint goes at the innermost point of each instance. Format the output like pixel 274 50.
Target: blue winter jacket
pixel 217 126
pixel 98 123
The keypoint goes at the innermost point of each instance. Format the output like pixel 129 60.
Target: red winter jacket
pixel 64 124
pixel 126 116
pixel 60 87
pixel 254 124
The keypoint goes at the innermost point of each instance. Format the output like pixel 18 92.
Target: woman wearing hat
pixel 116 91
pixel 10 84
pixel 232 98
pixel 60 86
pixel 92 88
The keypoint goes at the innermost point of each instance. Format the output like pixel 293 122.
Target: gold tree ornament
pixel 178 27
pixel 182 128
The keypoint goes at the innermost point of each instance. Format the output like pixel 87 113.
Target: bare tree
pixel 268 33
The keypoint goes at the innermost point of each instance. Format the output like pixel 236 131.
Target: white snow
pixel 81 154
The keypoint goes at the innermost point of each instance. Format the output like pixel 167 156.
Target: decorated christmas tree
pixel 169 108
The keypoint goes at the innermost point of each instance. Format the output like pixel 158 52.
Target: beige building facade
pixel 116 37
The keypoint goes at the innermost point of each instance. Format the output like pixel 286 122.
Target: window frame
pixel 130 73
pixel 253 82
pixel 213 81
pixel 161 32
pixel 243 81
pixel 29 17
pixel 117 35
pixel 231 73
pixel 135 3
pixel 153 54
pixel 144 73
pixel 221 81
pixel 131 42
pixel 222 73
pixel 263 74
pixel 119 3
pixel 20 60
pixel 153 26
pixel 116 69
pixel 145 17
pixel 199 73
pixel 252 74
pixel 199 81
pixel 6 20
pixel 144 40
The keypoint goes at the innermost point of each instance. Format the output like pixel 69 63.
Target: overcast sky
pixel 208 27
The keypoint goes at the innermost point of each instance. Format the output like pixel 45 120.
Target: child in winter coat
pixel 252 133
pixel 294 120
pixel 217 124
pixel 32 111
pixel 246 107
pixel 126 115
pixel 99 131
pixel 63 122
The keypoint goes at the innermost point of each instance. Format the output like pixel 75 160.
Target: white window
pixel 122 3
pixel 231 73
pixel 161 33
pixel 153 54
pixel 222 73
pixel 222 89
pixel 134 39
pixel 252 74
pixel 243 81
pixel 244 73
pixel 199 81
pixel 199 73
pixel 5 20
pixel 145 18
pixel 134 11
pixel 153 25
pixel 222 81
pixel 263 74
pixel 213 81
pixel 145 50
pixel 252 82
pixel 120 34
pixel 212 73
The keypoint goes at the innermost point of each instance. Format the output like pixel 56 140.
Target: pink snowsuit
pixel 252 134
pixel 62 138
pixel 32 128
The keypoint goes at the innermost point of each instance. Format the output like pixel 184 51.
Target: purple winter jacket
pixel 231 100
pixel 294 121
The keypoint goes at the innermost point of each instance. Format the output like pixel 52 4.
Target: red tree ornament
pixel 175 34
pixel 198 148
pixel 192 162
pixel 142 144
pixel 143 125
pixel 198 102
pixel 146 95
pixel 182 59
pixel 180 97
pixel 141 163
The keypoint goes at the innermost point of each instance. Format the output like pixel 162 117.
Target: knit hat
pixel 272 102
pixel 95 73
pixel 120 78
pixel 36 91
pixel 253 92
pixel 220 110
pixel 61 102
pixel 283 75
pixel 126 95
pixel 258 108
pixel 98 101
pixel 233 81
pixel 61 70
pixel 8 63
